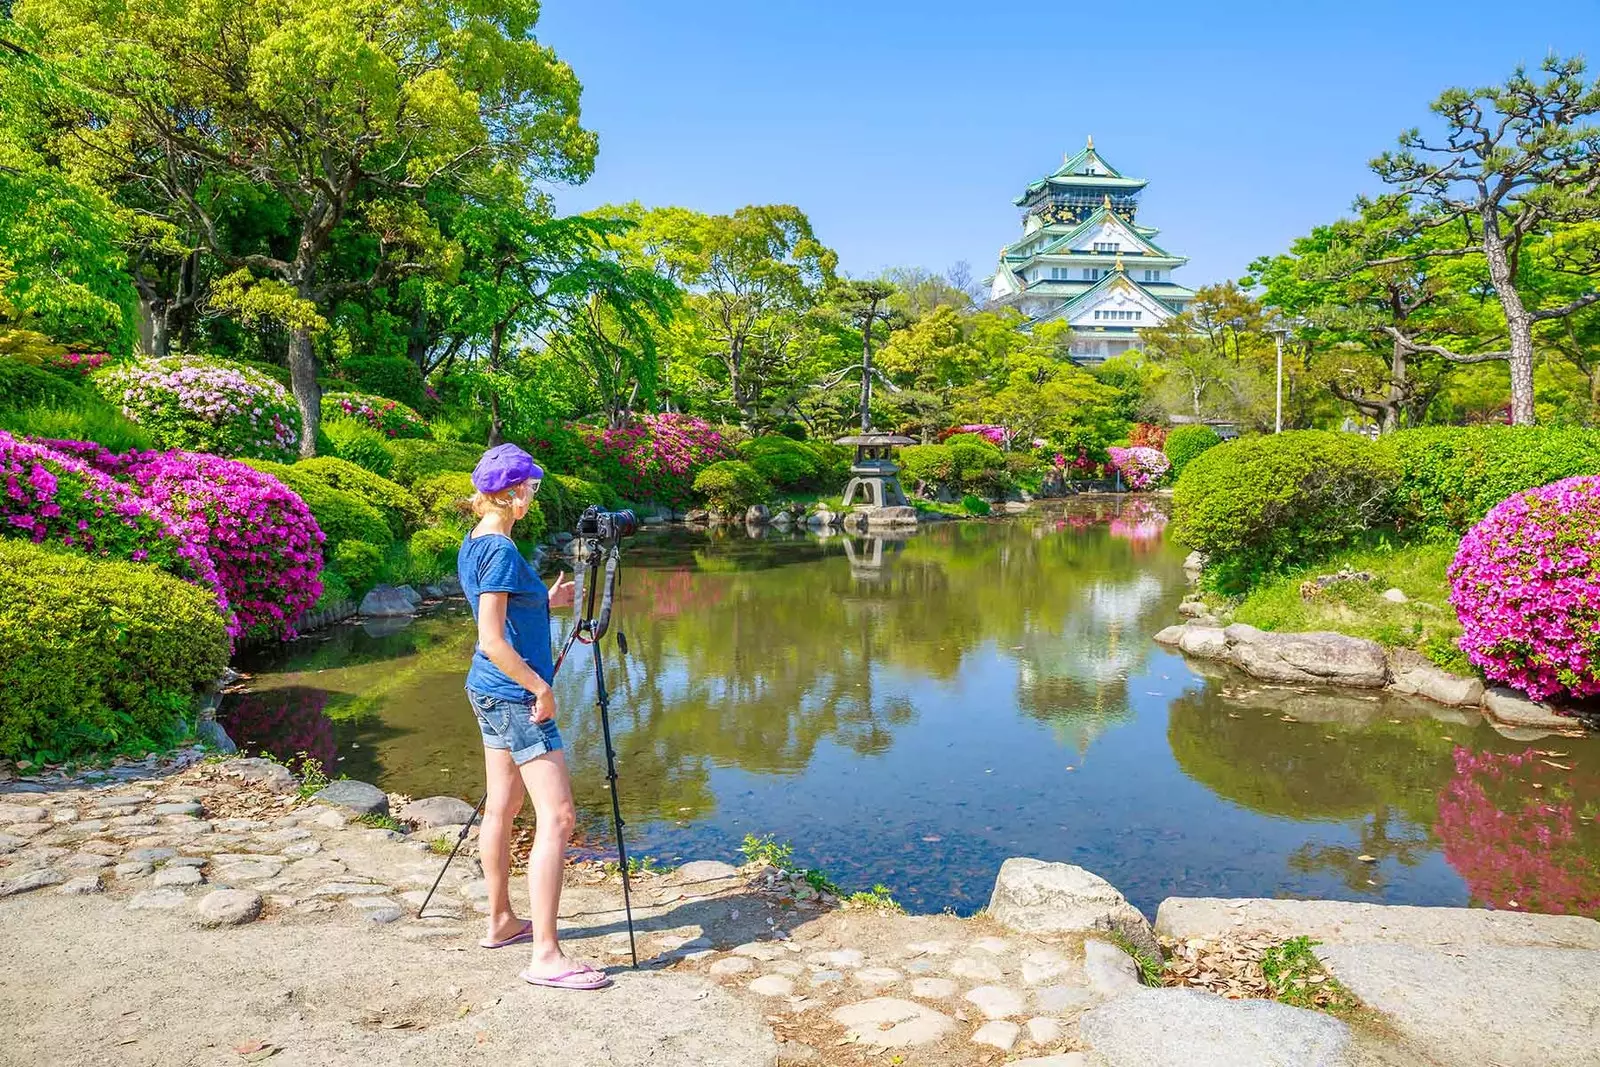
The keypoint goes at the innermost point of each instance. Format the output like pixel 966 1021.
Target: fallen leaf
pixel 1364 858
pixel 250 1046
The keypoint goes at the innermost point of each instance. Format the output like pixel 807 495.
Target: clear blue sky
pixel 904 129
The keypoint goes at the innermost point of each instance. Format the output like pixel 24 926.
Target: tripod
pixel 589 628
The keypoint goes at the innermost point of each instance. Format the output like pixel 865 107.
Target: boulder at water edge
pixel 359 797
pixel 437 811
pixel 387 600
pixel 1032 896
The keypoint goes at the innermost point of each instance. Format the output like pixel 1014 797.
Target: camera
pixel 597 525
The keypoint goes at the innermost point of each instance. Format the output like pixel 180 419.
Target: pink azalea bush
pixel 1140 466
pixel 50 496
pixel 657 458
pixel 1526 585
pixel 998 436
pixel 1517 846
pixel 206 406
pixel 389 417
pixel 80 363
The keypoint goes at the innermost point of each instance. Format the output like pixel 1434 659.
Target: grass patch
pixel 638 865
pixel 442 846
pixel 1425 622
pixel 1149 969
pixel 380 822
pixel 1297 978
pixel 876 897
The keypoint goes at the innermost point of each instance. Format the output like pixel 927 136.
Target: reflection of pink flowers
pixel 1517 846
pixel 282 723
pixel 1142 523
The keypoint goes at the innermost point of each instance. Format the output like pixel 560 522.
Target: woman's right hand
pixel 544 705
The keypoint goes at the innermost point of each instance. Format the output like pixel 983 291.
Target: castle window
pixel 1107 246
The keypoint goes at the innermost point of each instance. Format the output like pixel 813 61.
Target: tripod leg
pixel 461 839
pixel 603 699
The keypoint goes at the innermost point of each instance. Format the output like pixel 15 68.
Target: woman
pixel 509 687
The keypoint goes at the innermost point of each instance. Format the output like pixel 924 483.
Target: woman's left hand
pixel 561 592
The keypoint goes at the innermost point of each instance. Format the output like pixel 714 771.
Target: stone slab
pixel 1190 1028
pixel 1512 1007
pixel 1336 922
pixel 1033 896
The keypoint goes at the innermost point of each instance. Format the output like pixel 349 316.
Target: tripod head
pixel 599 541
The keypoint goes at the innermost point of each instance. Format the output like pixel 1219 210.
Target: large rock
pixel 1514 1007
pixel 892 516
pixel 359 797
pixel 1035 897
pixel 228 907
pixel 438 811
pixel 1511 708
pixel 1203 642
pixel 1170 635
pixel 1190 1028
pixel 1410 673
pixel 1326 658
pixel 887 1022
pixel 263 772
pixel 450 585
pixel 757 515
pixel 387 600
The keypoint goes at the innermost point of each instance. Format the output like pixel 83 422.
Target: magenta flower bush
pixel 998 436
pixel 1518 846
pixel 50 496
pixel 205 405
pixel 1140 467
pixel 389 417
pixel 81 364
pixel 1526 585
pixel 657 459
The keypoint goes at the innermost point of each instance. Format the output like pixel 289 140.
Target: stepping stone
pixel 178 876
pixel 996 1002
pixel 847 958
pixel 131 870
pixel 384 915
pixel 29 830
pixel 1042 1031
pixel 438 811
pixel 977 970
pixel 359 797
pixel 176 809
pixel 876 977
pixel 132 822
pixel 228 907
pixel 827 978
pixel 246 871
pixel 772 985
pixel 237 826
pixel 28 881
pixel 152 855
pixel 1063 999
pixel 156 900
pixel 888 1022
pixel 701 871
pixel 347 889
pixel 929 948
pixel 933 988
pixel 733 965
pixel 82 885
pixel 307 870
pixel 284 837
pixel 1040 967
pixel 1109 969
pixel 995 946
pixel 301 849
pixel 1002 1035
pixel 11 842
pixel 759 950
pixel 1191 1028
pixel 21 813
pixel 85 861
pixel 792 968
pixel 187 861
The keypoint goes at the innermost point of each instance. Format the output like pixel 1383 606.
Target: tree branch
pixel 1439 350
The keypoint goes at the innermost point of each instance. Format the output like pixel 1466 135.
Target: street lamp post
pixel 1278 333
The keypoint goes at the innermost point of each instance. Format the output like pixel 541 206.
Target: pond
pixel 912 711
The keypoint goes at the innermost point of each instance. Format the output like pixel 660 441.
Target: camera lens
pixel 625 522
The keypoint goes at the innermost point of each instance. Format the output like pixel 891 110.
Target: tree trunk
pixel 497 340
pixel 1519 324
pixel 307 393
pixel 1397 390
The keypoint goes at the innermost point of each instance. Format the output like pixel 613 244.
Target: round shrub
pixel 1450 476
pixel 447 498
pixel 389 417
pixel 1526 585
pixel 47 494
pixel 560 447
pixel 797 465
pixel 433 552
pixel 1257 504
pixel 98 654
pixel 571 496
pixel 1140 467
pixel 974 505
pixel 341 515
pixel 205 405
pixel 359 563
pixel 358 443
pixel 658 458
pixel 415 460
pixel 397 504
pixel 393 377
pixel 731 485
pixel 24 385
pixel 1184 443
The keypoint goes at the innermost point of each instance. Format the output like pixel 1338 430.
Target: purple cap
pixel 502 467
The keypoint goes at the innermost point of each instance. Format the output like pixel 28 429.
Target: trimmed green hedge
pixel 966 464
pixel 361 445
pixel 1185 443
pixel 797 465
pixel 447 498
pixel 563 497
pixel 23 385
pixel 1258 504
pixel 433 552
pixel 343 516
pixel 415 460
pixel 731 485
pixel 398 505
pixel 98 655
pixel 394 377
pixel 1450 476
pixel 360 563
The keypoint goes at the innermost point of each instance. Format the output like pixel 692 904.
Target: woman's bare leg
pixel 494 840
pixel 550 787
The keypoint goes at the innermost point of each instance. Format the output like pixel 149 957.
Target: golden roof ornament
pixel 1107 202
pixel 1118 267
pixel 1090 145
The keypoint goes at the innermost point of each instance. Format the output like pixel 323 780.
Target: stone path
pixel 178 915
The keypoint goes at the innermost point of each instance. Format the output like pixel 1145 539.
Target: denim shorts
pixel 509 724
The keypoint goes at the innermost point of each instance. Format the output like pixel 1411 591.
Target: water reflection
pixel 913 709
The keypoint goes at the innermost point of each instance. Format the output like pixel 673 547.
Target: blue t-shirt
pixel 490 563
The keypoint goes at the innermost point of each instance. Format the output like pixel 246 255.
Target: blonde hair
pixel 501 502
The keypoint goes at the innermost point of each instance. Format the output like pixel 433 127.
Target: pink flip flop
pixel 521 938
pixel 580 978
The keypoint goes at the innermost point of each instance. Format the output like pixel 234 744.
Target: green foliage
pixel 966 464
pixel 341 515
pixel 878 898
pixel 100 423
pixel 1297 978
pixel 731 485
pixel 374 820
pixel 447 498
pixel 1258 504
pixel 23 385
pixel 784 462
pixel 359 563
pixel 1184 443
pixel 415 460
pixel 432 553
pixel 769 850
pixel 1149 968
pixel 394 377
pixel 399 507
pixel 98 655
pixel 361 445
pixel 974 505
pixel 1450 476
pixel 563 497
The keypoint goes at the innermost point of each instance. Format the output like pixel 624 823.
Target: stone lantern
pixel 874 481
